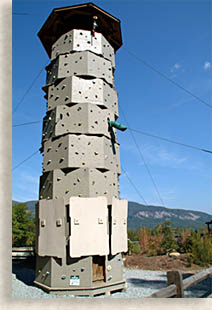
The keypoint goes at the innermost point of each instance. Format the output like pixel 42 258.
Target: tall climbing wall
pixel 81 221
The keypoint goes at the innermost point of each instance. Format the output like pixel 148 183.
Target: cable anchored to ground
pixel 33 154
pixel 171 141
pixel 145 164
pixel 167 78
pixel 24 124
pixel 136 189
pixel 143 133
pixel 27 91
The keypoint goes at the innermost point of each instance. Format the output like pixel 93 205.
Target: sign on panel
pixel 89 235
pixel 51 239
pixel 119 226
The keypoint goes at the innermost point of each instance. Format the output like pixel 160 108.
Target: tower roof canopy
pixel 64 19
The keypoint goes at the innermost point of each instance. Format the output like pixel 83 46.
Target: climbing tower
pixel 81 221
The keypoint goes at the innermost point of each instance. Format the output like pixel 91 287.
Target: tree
pixel 201 249
pixel 23 226
pixel 133 235
pixel 144 239
pixel 168 241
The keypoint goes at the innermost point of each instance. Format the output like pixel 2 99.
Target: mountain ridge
pixel 149 216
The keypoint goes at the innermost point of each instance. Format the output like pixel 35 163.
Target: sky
pixel 163 78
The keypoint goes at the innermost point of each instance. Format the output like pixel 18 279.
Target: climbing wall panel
pixel 84 64
pixel 51 238
pixel 81 151
pixel 78 40
pixel 79 182
pixel 74 89
pixel 81 118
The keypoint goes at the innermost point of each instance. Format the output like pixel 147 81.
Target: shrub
pixel 202 249
pixel 23 226
pixel 133 235
pixel 162 238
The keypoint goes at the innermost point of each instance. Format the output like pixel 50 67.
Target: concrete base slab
pixel 103 288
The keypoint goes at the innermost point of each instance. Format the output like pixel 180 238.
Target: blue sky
pixel 174 37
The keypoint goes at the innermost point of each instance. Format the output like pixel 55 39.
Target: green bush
pixel 133 235
pixel 202 249
pixel 23 226
pixel 133 248
pixel 163 238
pixel 168 239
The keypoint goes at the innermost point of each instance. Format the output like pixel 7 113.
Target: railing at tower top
pixel 177 286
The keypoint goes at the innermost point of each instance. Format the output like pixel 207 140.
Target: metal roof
pixel 62 20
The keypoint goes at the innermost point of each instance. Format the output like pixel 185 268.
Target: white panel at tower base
pixel 89 227
pixel 119 226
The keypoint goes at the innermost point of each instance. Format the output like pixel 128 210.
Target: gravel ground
pixel 140 283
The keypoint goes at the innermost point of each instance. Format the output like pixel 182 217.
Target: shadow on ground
pixel 200 290
pixel 24 270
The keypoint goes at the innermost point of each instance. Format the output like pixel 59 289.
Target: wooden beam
pixel 171 290
pixel 196 278
pixel 175 277
pixel 166 292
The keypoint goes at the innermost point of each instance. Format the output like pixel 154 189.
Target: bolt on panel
pixel 79 182
pixel 119 226
pixel 79 64
pixel 43 270
pixel 81 118
pixel 89 224
pixel 81 151
pixel 114 268
pixel 51 239
pixel 78 40
pixel 78 90
pixel 77 272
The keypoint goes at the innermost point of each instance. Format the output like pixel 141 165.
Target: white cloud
pixel 199 85
pixel 207 65
pixel 160 156
pixel 167 156
pixel 157 155
pixel 25 186
pixel 177 67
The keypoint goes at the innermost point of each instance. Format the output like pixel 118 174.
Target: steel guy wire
pixel 167 78
pixel 24 124
pixel 129 179
pixel 143 133
pixel 145 164
pixel 171 141
pixel 136 189
pixel 33 154
pixel 28 90
pixel 25 14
